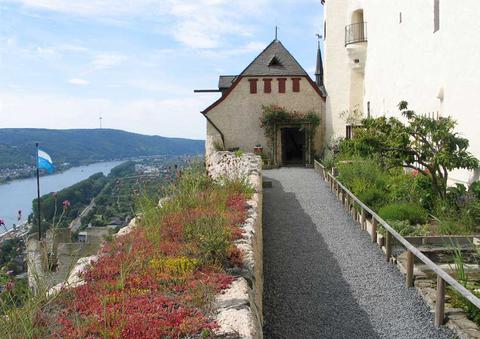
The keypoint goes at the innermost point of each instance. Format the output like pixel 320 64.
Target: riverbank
pixel 18 195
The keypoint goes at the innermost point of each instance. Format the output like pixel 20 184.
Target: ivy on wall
pixel 274 115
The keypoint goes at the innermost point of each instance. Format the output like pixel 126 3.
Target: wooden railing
pixel 350 201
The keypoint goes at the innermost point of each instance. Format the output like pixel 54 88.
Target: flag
pixel 44 161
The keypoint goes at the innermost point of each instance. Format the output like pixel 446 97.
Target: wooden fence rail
pixel 350 201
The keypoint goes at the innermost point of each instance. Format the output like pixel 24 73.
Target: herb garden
pixel 400 169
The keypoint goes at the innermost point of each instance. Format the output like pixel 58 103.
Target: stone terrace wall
pixel 240 310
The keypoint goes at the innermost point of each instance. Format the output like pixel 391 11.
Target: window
pixel 275 62
pixel 436 15
pixel 281 85
pixel 253 85
pixel 325 30
pixel 400 18
pixel 296 84
pixel 267 85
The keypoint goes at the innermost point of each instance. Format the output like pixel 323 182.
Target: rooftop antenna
pixel 319 37
pixel 276 32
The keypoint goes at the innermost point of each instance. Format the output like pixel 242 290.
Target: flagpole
pixel 38 198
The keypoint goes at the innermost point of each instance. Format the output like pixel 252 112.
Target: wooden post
pixel 440 302
pixel 374 229
pixel 362 219
pixel 410 265
pixel 388 245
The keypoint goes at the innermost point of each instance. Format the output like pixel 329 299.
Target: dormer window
pixel 275 62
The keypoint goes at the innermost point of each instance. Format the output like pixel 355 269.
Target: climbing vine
pixel 273 115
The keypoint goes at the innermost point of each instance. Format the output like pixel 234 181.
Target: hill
pixel 79 146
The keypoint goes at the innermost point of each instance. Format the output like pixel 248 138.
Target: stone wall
pixel 240 309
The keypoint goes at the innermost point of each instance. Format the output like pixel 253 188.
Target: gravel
pixel 323 276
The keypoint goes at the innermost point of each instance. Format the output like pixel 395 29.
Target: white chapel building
pixel 426 52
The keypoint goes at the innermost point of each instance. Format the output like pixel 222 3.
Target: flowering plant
pixel 160 279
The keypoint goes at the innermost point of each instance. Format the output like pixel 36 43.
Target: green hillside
pixel 77 146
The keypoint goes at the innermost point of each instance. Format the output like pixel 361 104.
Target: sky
pixel 135 63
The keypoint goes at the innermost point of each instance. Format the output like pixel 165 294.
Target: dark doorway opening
pixel 293 146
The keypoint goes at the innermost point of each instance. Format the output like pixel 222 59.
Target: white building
pixel 426 52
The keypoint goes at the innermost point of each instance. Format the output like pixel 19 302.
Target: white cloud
pixel 77 81
pixel 251 47
pixel 46 52
pixel 194 23
pixel 73 48
pixel 107 60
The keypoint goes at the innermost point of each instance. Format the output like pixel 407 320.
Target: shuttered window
pixel 281 85
pixel 253 85
pixel 267 85
pixel 296 84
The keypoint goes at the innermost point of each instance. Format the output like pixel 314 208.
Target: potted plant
pixel 258 149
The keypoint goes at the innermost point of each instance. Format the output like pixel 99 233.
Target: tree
pixel 425 144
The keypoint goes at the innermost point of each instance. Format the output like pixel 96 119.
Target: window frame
pixel 253 86
pixel 282 85
pixel 296 85
pixel 267 85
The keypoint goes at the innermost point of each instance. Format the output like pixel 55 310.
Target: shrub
pixel 366 179
pixel 411 212
pixel 402 188
pixel 373 197
pixel 475 189
pixel 472 210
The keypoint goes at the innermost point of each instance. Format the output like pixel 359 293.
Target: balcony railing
pixel 355 33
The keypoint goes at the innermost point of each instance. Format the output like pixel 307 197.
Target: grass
pixel 457 300
pixel 157 281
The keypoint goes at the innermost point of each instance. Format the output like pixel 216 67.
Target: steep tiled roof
pixel 275 60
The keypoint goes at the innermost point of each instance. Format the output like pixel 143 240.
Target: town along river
pixel 17 195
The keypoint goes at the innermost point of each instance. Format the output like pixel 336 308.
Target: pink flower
pixel 9 286
pixel 66 204
pixel 415 172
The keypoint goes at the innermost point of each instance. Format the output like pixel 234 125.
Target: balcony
pixel 355 33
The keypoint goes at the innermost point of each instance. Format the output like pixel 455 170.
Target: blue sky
pixel 64 63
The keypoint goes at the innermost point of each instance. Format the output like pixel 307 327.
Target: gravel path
pixel 323 276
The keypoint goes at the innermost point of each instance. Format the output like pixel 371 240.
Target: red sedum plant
pixel 160 280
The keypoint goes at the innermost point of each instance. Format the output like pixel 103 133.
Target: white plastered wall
pixel 408 61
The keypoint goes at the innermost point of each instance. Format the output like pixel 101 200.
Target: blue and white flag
pixel 44 161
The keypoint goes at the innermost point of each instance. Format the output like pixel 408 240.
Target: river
pixel 18 194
